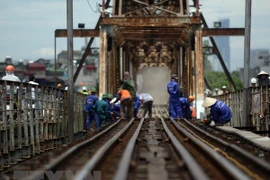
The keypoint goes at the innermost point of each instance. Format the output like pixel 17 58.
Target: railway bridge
pixel 151 39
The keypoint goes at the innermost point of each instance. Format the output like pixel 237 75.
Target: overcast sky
pixel 27 26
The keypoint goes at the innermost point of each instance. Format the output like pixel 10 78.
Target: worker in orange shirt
pixel 193 112
pixel 125 103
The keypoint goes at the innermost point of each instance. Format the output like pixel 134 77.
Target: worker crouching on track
pixel 108 100
pixel 102 109
pixel 185 106
pixel 115 109
pixel 220 113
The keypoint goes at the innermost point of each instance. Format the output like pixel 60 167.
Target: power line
pixel 91 7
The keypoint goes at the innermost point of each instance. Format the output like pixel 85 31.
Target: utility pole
pixel 244 121
pixel 70 71
pixel 103 8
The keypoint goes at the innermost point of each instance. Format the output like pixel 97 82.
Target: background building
pixel 259 61
pixel 223 44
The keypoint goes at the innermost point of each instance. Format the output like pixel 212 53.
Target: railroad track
pixel 152 151
pixel 65 156
pixel 157 148
pixel 243 154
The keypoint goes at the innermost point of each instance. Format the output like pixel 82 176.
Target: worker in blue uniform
pixel 108 100
pixel 220 113
pixel 185 106
pixel 115 109
pixel 90 101
pixel 175 94
pixel 136 105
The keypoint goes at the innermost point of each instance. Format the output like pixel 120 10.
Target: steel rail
pixel 67 154
pixel 123 168
pixel 252 159
pixel 90 165
pixel 246 139
pixel 230 169
pixel 195 169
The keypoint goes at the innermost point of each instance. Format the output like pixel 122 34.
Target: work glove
pixel 209 119
pixel 212 123
pixel 208 116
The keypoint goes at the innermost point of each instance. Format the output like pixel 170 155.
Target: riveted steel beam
pixel 223 31
pixel 150 21
pixel 215 48
pixel 78 33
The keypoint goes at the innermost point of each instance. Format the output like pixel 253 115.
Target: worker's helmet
pixel 224 87
pixel 110 96
pixel 174 76
pixel 84 89
pixel 191 98
pixel 59 85
pixel 10 68
pixel 93 90
pixel 104 96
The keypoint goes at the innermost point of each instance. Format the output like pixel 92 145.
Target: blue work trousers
pixel 175 108
pixel 90 117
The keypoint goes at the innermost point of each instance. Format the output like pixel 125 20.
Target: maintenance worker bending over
pixel 102 109
pixel 147 102
pixel 125 103
pixel 115 110
pixel 129 84
pixel 185 106
pixel 220 113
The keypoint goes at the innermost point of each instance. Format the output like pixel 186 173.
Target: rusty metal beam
pixel 158 3
pixel 149 38
pixel 157 33
pixel 107 4
pixel 223 31
pixel 215 48
pixel 207 84
pixel 86 52
pixel 119 39
pixel 164 28
pixel 77 33
pixel 164 34
pixel 150 21
pixel 153 32
pixel 155 29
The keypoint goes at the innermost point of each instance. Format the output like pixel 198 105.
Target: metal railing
pixel 259 108
pixel 33 119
